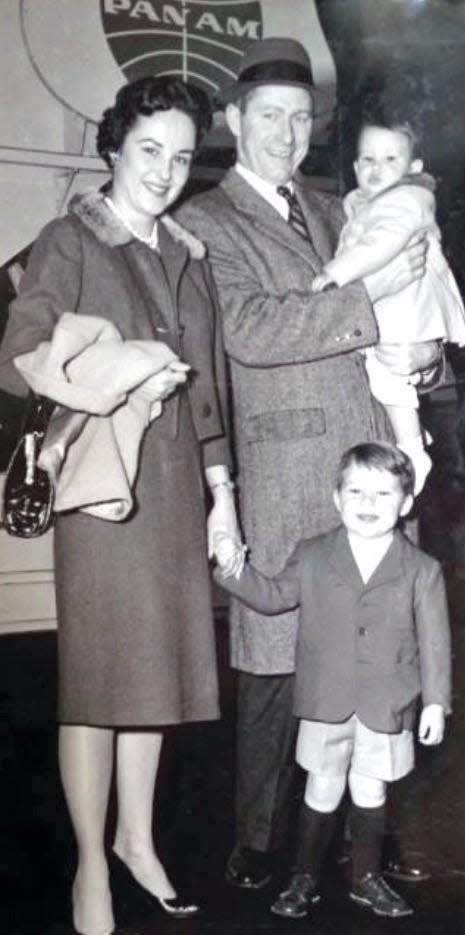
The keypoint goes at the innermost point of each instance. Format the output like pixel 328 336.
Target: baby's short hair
pixel 399 119
pixel 380 456
pixel 403 127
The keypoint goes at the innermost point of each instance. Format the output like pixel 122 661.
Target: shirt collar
pixel 266 189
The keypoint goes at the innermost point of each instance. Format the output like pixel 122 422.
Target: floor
pixel 196 791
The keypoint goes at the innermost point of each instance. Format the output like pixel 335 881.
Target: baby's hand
pixel 432 724
pixel 229 554
pixel 320 282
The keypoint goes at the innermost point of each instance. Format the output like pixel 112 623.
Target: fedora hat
pixel 275 61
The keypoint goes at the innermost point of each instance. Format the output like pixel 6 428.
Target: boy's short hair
pixel 380 456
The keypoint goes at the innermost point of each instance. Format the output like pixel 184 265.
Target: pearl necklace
pixel 151 240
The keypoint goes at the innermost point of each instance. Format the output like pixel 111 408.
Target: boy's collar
pixel 342 560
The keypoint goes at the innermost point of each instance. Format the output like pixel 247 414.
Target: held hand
pixel 432 724
pixel 229 554
pixel 222 528
pixel 408 266
pixel 409 360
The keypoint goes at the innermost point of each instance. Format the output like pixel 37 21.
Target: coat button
pixel 361 631
pixel 357 333
pixel 206 410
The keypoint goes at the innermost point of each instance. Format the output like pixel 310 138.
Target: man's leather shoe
pixel 248 869
pixel 373 891
pixel 399 870
pixel 295 901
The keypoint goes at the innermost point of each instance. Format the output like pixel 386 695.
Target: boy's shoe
pixel 373 891
pixel 248 869
pixel 295 901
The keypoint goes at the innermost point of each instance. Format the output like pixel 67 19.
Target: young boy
pixel 373 637
pixel 395 199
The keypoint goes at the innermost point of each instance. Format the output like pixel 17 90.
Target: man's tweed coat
pixel 300 393
pixel 367 648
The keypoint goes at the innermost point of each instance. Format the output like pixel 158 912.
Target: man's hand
pixel 410 360
pixel 321 282
pixel 432 724
pixel 405 268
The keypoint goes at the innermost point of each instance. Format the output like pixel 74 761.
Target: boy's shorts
pixel 333 749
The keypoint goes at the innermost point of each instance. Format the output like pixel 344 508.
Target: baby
pixel 395 199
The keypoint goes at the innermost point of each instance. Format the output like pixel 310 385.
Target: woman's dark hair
pixel 380 456
pixel 144 97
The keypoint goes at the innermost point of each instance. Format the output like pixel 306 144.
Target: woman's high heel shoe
pixel 124 879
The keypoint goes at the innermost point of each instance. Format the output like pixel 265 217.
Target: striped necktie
pixel 296 218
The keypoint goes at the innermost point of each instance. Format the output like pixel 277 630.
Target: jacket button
pixel 206 410
pixel 357 333
pixel 361 631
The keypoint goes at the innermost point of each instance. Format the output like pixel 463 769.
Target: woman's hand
pixel 408 266
pixel 167 381
pixel 229 554
pixel 222 521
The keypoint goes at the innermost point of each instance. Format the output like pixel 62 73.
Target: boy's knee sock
pixel 367 827
pixel 314 835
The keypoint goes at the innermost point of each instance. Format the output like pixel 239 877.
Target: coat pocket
pixel 285 425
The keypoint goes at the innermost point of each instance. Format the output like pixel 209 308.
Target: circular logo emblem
pixel 198 40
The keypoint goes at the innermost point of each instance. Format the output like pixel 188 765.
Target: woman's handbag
pixel 28 494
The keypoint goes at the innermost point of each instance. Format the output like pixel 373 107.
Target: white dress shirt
pixel 267 190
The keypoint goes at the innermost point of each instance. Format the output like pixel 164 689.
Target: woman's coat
pixel 136 634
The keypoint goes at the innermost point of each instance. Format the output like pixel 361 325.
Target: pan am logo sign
pixel 82 50
pixel 197 40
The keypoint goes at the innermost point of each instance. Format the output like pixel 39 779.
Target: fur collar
pixel 195 246
pixel 91 209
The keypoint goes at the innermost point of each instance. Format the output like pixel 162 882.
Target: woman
pixel 135 632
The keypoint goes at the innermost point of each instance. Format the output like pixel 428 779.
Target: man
pixel 299 393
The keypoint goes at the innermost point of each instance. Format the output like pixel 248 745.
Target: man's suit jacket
pixel 300 393
pixel 365 648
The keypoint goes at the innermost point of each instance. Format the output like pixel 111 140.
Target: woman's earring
pixel 113 158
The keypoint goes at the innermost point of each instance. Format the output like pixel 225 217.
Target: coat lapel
pixel 162 304
pixel 315 220
pixel 266 219
pixel 175 245
pixel 342 561
pixel 391 565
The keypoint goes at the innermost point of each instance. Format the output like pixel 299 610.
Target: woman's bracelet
pixel 223 483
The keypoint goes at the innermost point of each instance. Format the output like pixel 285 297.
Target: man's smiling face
pixel 272 131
